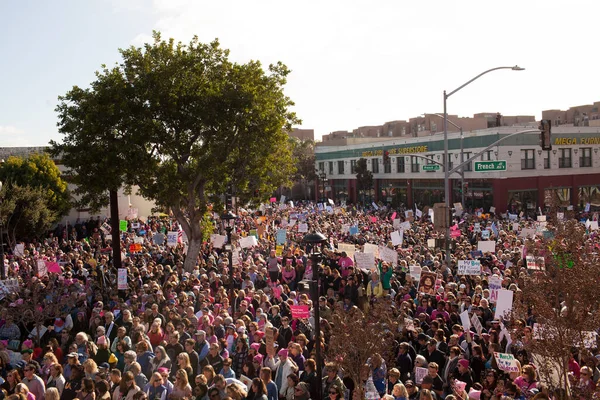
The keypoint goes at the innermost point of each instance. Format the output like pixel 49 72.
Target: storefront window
pixel 340 189
pixel 393 192
pixel 428 192
pixel 522 200
pixel 589 194
pixel 557 197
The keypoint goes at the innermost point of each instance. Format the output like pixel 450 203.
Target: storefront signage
pixel 399 150
pixel 562 141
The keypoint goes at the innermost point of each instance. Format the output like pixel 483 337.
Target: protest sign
pixel 122 279
pixel 397 237
pixel 172 238
pixel 123 225
pixel 494 284
pixel 469 267
pixel 270 341
pixel 535 263
pixel 560 216
pixel 396 223
pixel 388 255
pixel 527 233
pixel 215 239
pixel 464 318
pixel 19 250
pixel 504 303
pixel 281 236
pixel 541 218
pixel 279 250
pixel 431 243
pixel 158 239
pixel 477 227
pixel 105 228
pixel 485 234
pixel 506 362
pixel 365 261
pixel 132 213
pixel 409 324
pixel 42 270
pixel 427 282
pixel 303 227
pixel 300 311
pixel 420 373
pixel 405 225
pixel 415 272
pixel 53 267
pixel 371 248
pixel 354 230
pixel 486 246
pixel 477 324
pixel 349 249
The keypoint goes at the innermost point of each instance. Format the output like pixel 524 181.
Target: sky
pixel 354 63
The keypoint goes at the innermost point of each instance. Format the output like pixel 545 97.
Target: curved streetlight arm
pixel 515 68
pixel 455 169
pixel 442 117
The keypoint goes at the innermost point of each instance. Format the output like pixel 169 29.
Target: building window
pixel 387 166
pixel 547 160
pixel 450 162
pixel 400 168
pixel 414 164
pixel 528 159
pixel 487 156
pixel 430 162
pixel 322 166
pixel 352 165
pixel 468 167
pixel 585 160
pixel 375 164
pixel 564 161
pixel 330 167
pixel 341 167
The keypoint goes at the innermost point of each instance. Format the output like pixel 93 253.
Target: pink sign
pixel 300 312
pixel 53 267
pixel 394 216
pixel 373 219
pixel 273 200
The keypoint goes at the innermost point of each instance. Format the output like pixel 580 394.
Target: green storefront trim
pixel 475 142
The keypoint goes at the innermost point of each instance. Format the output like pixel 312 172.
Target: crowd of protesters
pixel 179 334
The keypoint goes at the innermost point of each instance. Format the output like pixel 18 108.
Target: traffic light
pixel 545 135
pixel 386 157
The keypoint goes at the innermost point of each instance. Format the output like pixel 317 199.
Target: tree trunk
pixel 191 258
pixel 114 226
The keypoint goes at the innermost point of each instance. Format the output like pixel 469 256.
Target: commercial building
pixel 571 170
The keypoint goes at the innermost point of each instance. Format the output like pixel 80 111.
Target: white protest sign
pixel 527 233
pixel 504 304
pixel 172 238
pixel 420 373
pixel 292 223
pixel 541 218
pixel 138 240
pixel 365 261
pixel 493 209
pixel 396 223
pixel 515 226
pixel 248 241
pixel 405 225
pixel 217 240
pixel 19 250
pixel 464 318
pixel 431 243
pixel 349 249
pixel 122 279
pixel 477 227
pixel 415 272
pixel 593 225
pixel 397 237
pixel 408 213
pixel 486 246
pixel 345 228
pixel 418 213
pixel 477 324
pixel 388 255
pixel 303 227
pixel 587 207
pixel 132 213
pixel 485 234
pixel 430 212
pixel 371 248
pixel 560 216
pixel 506 362
pixel 494 284
pixel 42 270
pixel 469 267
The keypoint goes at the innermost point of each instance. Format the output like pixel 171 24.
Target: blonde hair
pixel 52 394
pixel 401 389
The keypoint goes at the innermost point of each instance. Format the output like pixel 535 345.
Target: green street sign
pixel 490 166
pixel 431 167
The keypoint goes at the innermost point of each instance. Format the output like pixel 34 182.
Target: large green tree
pixel 303 152
pixel 194 122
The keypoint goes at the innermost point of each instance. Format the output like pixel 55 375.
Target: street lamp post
pixel 315 239
pixel 323 177
pixel 446 162
pixel 228 223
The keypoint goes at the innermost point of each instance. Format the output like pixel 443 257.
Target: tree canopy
pixel 364 177
pixel 34 196
pixel 188 122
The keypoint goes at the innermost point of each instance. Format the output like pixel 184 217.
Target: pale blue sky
pixel 354 62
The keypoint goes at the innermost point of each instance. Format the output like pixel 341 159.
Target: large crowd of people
pixel 172 333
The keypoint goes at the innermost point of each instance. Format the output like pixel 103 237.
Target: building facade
pixel 569 172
